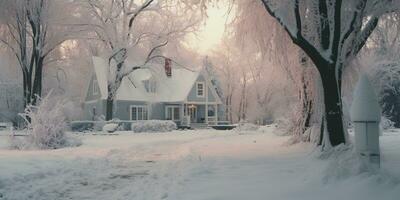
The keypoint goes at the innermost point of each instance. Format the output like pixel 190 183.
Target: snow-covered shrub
pixel 283 125
pixel 386 123
pixel 18 142
pixel 153 126
pixel 98 125
pixel 245 126
pixel 72 110
pixel 46 126
pixel 110 128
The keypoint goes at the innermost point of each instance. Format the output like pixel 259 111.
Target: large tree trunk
pixel 109 104
pixel 333 106
pixel 37 84
pixel 109 108
pixel 26 92
pixel 112 89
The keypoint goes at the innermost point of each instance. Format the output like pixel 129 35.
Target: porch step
pixel 199 126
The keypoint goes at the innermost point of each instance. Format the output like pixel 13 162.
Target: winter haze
pixel 199 99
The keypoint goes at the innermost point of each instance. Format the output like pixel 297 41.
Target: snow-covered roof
pixel 365 106
pixel 169 89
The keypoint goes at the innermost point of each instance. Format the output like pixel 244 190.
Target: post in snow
pixel 366 115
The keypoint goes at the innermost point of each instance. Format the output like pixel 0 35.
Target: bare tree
pixel 32 30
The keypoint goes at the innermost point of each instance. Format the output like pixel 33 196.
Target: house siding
pixel 122 108
pixel 192 97
pixel 89 94
pixel 158 111
pixel 99 105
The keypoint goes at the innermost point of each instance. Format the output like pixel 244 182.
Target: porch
pixel 196 114
pixel 201 113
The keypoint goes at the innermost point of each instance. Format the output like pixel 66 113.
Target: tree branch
pixel 324 24
pixel 148 59
pixel 154 49
pixel 297 37
pixel 136 13
pixel 337 33
pixel 366 32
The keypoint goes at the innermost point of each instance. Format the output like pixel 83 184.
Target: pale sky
pixel 210 35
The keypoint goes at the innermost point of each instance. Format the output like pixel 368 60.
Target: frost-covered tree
pixel 256 29
pixel 226 68
pixel 381 59
pixel 32 30
pixel 252 86
pixel 130 27
pixel 331 33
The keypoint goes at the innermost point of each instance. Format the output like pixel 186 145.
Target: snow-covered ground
pixel 191 165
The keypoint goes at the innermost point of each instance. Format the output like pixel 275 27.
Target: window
pixel 172 113
pixel 200 89
pixel 139 113
pixel 150 86
pixel 95 87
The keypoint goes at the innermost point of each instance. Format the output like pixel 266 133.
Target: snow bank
pixel 345 164
pixel 244 126
pixel 284 126
pixel 153 126
pixel 110 128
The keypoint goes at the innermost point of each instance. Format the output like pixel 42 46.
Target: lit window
pixel 200 89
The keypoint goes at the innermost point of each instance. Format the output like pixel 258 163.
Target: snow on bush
pixel 386 123
pixel 100 123
pixel 110 128
pixel 46 126
pixel 153 126
pixel 283 126
pixel 245 126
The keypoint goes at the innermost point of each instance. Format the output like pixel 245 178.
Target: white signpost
pixel 366 115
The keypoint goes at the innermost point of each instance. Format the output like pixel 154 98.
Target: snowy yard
pixel 190 165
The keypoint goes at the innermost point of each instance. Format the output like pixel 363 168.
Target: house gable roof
pixel 204 78
pixel 169 89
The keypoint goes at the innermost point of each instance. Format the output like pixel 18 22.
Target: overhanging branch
pixel 297 36
pixel 366 32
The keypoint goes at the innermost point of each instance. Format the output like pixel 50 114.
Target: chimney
pixel 168 67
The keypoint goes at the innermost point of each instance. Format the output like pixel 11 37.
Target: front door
pixel 193 114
